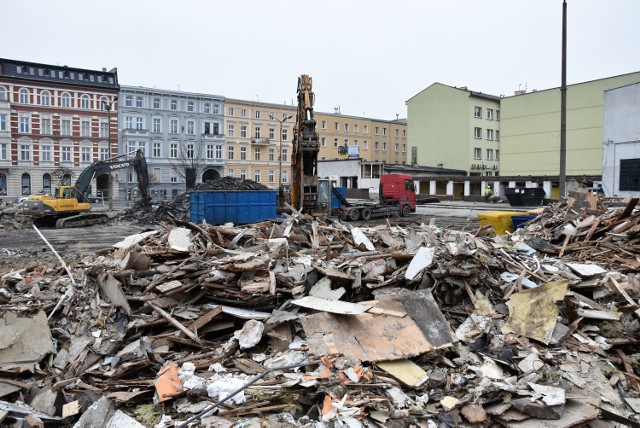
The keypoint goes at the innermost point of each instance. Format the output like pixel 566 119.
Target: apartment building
pixel 455 128
pixel 181 134
pixel 259 141
pixel 54 122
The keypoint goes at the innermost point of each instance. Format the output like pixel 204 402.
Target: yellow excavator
pixel 70 206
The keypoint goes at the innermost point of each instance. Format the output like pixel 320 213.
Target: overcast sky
pixel 367 57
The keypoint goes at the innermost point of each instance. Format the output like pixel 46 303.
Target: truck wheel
pixel 354 215
pixel 406 211
pixel 365 214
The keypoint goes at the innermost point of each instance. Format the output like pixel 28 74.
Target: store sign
pixel 354 152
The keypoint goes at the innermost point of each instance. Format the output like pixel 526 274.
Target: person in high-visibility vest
pixel 488 192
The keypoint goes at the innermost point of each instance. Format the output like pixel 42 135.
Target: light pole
pixel 281 121
pixel 107 106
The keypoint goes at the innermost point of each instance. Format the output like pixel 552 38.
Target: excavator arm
pixel 304 159
pixel 139 163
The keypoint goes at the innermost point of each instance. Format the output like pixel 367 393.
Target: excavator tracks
pixel 81 220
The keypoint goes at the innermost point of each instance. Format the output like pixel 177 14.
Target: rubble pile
pixel 178 208
pixel 319 323
pixel 11 217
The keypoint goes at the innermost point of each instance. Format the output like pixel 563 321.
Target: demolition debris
pixel 317 323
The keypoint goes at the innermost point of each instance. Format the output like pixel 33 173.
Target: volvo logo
pixel 119 165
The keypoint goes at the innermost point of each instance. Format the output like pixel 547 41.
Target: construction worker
pixel 488 193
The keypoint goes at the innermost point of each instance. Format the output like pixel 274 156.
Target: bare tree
pixel 58 174
pixel 190 161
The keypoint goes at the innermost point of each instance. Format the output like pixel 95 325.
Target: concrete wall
pixel 530 129
pixel 621 135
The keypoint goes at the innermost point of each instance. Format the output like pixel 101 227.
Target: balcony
pixel 134 131
pixel 261 141
pixel 210 136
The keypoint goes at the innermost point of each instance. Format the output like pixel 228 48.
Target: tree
pixel 190 161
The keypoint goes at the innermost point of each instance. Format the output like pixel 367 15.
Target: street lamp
pixel 107 106
pixel 281 121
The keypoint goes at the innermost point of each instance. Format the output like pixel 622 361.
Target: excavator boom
pixel 304 159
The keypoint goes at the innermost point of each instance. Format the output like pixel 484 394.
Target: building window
pixel 404 133
pixel 65 154
pixel 104 153
pixel 173 128
pixel 243 112
pixel 272 176
pixel 346 127
pixel 174 105
pixel 231 130
pixel 45 126
pixel 257 114
pixel 65 100
pixel 498 115
pixel 397 133
pixel 497 155
pixel 216 108
pixel 285 176
pixel 173 150
pixel 207 108
pixel 84 102
pixel 335 142
pixel 174 175
pixel 384 146
pixel 3 94
pixel 45 153
pixel 230 113
pixel 65 127
pixel 256 153
pixel 336 126
pixel 156 125
pixel 25 152
pixel 156 103
pixel 396 148
pixel 210 151
pixel 477 132
pixel 376 131
pixel 384 132
pixel 190 151
pixel 365 145
pixel 404 148
pixel 230 153
pixel 257 132
pixel 45 98
pixel 285 155
pixel 355 127
pixel 376 146
pixel 477 112
pixel 477 153
pixel 323 142
pixel 104 129
pixel 128 101
pixel 630 175
pixel 490 134
pixel 243 131
pixel 139 123
pixel 139 102
pixel 285 134
pixel 256 175
pixel 230 172
pixel 272 133
pixel 128 122
pixel 85 128
pixel 323 124
pixel 157 149
pixel 191 127
pixel 24 96
pixel 218 152
pixel 489 114
pixel 190 106
pixel 497 135
pixel 272 154
pixel 26 184
pixel 24 124
pixel 489 154
pixel 85 153
pixel 365 129
pixel 243 153
pixel 3 152
pixel 243 174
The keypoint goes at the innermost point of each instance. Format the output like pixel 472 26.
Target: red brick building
pixel 54 122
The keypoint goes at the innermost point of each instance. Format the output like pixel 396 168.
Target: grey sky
pixel 368 57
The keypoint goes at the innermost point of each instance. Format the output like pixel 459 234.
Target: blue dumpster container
pixel 238 207
pixel 520 220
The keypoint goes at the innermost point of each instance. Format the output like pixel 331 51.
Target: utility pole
pixel 280 192
pixel 563 106
pixel 107 106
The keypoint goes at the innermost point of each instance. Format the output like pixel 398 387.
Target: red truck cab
pixel 398 189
